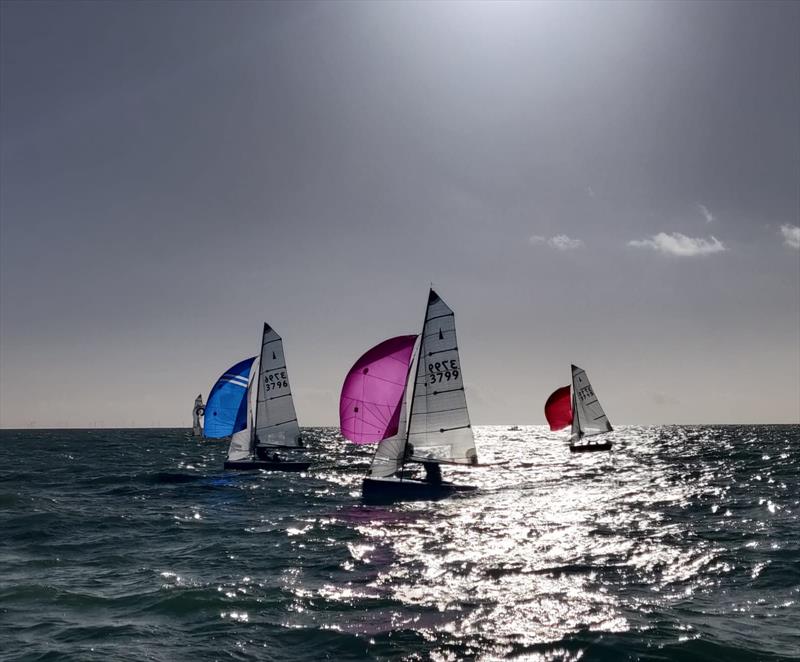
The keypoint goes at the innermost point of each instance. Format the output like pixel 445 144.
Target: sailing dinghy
pixel 582 411
pixel 372 408
pixel 197 412
pixel 271 422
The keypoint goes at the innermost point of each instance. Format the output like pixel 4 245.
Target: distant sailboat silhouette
pixel 271 421
pixel 372 408
pixel 583 411
pixel 197 411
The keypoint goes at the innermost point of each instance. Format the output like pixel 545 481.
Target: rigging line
pixel 416 384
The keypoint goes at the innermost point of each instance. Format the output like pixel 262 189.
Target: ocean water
pixel 683 543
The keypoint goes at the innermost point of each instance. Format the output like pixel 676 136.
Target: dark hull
pixel 388 490
pixel 267 466
pixel 588 448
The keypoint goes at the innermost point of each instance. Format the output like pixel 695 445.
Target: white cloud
pixel 791 236
pixel 679 244
pixel 561 241
pixel 706 213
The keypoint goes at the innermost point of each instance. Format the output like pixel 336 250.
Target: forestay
pixel 241 446
pixel 439 427
pixel 275 417
pixel 226 409
pixel 588 416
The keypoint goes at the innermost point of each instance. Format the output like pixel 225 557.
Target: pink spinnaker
pixel 372 394
pixel 558 409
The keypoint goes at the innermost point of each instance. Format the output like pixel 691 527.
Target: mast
pixel 431 293
pixel 258 391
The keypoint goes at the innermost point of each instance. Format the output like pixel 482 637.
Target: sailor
pixel 433 473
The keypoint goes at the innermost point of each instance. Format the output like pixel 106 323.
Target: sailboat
pixel 226 409
pixel 372 408
pixel 582 411
pixel 271 421
pixel 197 412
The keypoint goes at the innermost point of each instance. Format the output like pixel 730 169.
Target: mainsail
pixel 197 411
pixel 241 447
pixel 275 422
pixel 373 392
pixel 226 409
pixel 439 428
pixel 558 409
pixel 589 418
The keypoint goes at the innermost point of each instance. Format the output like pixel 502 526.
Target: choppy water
pixel 682 544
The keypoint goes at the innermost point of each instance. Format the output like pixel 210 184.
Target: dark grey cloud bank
pixel 614 185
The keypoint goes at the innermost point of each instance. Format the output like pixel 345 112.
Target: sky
pixel 615 185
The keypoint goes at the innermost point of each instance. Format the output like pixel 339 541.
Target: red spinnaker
pixel 558 409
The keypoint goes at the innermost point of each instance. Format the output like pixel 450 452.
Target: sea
pixel 682 543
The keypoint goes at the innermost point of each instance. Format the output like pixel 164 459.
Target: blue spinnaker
pixel 226 409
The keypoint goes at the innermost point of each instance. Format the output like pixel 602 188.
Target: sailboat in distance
pixel 271 421
pixel 197 411
pixel 372 408
pixel 582 411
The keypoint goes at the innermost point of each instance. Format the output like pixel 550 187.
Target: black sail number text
pixel 443 371
pixel 275 380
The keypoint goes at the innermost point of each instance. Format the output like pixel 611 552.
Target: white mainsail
pixel 241 446
pixel 439 428
pixel 275 421
pixel 588 417
pixel 197 412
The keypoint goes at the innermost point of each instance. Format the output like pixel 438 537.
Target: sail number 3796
pixel 275 380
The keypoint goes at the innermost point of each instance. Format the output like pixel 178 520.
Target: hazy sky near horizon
pixel 609 184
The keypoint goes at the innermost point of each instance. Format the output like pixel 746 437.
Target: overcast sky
pixel 611 185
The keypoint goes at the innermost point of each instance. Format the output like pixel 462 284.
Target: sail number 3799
pixel 442 371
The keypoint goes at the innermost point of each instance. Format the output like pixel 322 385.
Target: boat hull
pixel 387 490
pixel 262 465
pixel 588 448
